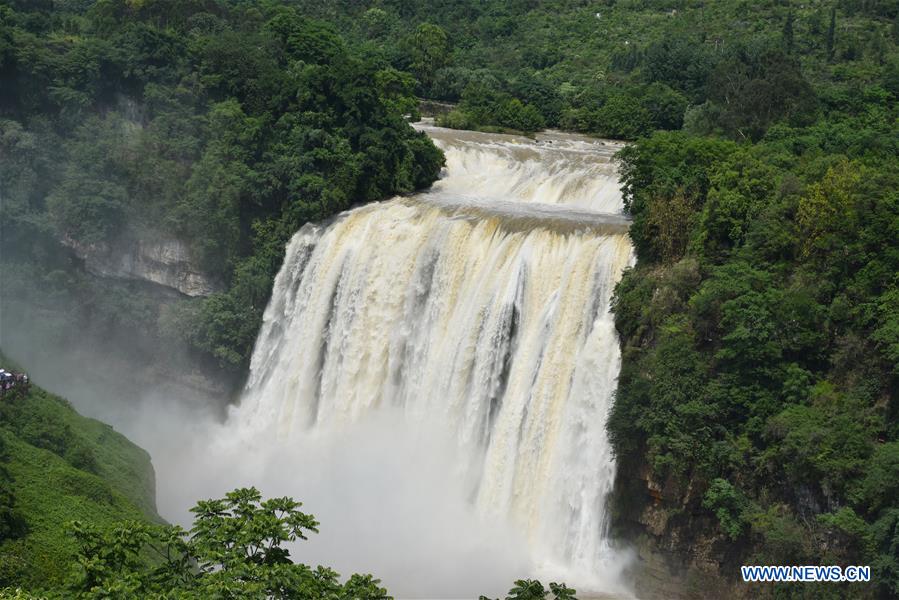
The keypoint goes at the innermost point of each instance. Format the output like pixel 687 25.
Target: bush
pixel 729 505
pixel 455 119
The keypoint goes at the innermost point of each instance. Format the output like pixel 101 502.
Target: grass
pixel 64 467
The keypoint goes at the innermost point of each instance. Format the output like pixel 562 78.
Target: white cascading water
pixel 481 305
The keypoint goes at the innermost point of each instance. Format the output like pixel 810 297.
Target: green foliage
pixel 58 465
pixel 456 119
pixel 626 113
pixel 89 204
pixel 484 108
pixel 879 487
pixel 827 444
pixel 758 325
pixel 18 594
pixel 831 32
pixel 226 126
pixel 787 37
pixel 738 69
pixel 756 86
pixel 885 538
pixel 681 62
pixel 666 179
pixel 429 51
pixel 532 589
pixel 50 423
pixel 10 521
pixel 235 549
pixel 621 117
pixel 729 506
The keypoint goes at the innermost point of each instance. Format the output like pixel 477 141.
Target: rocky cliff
pixel 163 261
pixel 665 525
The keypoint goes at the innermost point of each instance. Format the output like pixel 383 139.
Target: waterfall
pixel 481 306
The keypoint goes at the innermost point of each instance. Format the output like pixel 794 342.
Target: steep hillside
pixel 58 466
pixel 757 417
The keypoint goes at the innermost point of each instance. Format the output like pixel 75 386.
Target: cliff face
pixel 163 261
pixel 663 521
pixel 114 317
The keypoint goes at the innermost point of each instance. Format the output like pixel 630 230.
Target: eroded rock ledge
pixel 163 261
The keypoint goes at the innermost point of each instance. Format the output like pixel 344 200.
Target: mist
pixel 391 500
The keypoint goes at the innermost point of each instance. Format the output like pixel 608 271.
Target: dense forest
pixel 761 330
pixel 226 125
pixel 759 391
pixel 624 68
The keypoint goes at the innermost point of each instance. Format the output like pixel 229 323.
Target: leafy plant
pixel 532 589
pixel 235 549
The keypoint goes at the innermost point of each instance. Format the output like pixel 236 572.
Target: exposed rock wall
pixel 162 261
pixel 667 528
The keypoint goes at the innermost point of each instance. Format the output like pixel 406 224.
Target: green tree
pixel 515 115
pixel 729 505
pixel 666 107
pixel 90 204
pixel 621 118
pixel 831 34
pixel 880 485
pixel 429 51
pixel 681 62
pixel 787 34
pixel 235 549
pixel 532 589
pixel 756 86
pixel 10 523
pixel 376 23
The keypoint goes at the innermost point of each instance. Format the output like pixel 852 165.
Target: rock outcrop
pixel 676 556
pixel 163 261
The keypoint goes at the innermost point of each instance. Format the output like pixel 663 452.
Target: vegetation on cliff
pixel 760 380
pixel 760 332
pixel 224 124
pixel 57 466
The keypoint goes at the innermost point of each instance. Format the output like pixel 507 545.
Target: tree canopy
pixel 235 549
pixel 224 125
pixel 759 330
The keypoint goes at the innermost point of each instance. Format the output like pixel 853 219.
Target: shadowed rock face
pixel 163 261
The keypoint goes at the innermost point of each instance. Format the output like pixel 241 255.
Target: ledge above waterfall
pixel 518 216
